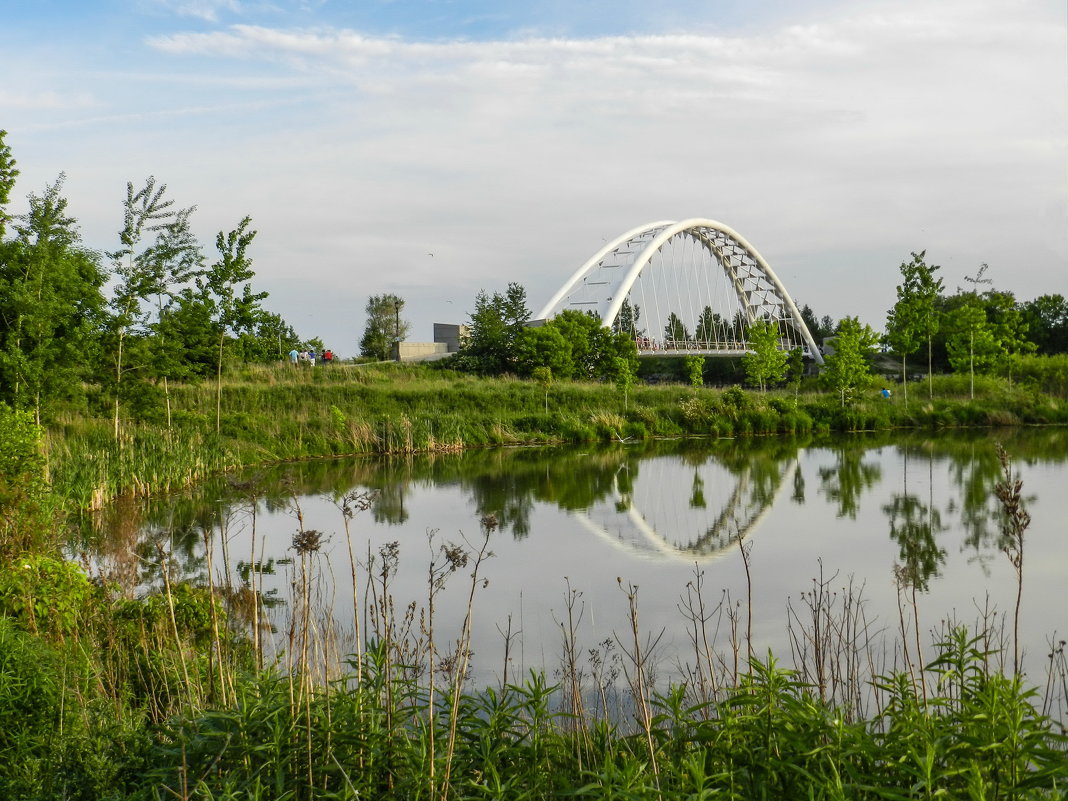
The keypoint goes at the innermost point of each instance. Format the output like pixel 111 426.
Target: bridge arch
pixel 719 276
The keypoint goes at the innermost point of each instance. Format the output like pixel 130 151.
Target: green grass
pixel 276 414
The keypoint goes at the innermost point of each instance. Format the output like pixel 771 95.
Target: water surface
pixel 573 531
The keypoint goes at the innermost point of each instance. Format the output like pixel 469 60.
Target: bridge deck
pixel 697 347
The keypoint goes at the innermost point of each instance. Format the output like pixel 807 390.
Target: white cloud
pixel 47 100
pixel 836 147
pixel 207 10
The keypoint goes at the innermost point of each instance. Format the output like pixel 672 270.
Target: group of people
pixel 309 356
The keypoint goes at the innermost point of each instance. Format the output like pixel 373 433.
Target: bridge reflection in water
pixel 661 516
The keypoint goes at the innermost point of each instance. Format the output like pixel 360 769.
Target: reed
pixel 273 414
pixel 311 733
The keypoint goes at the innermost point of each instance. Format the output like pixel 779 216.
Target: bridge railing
pixel 670 344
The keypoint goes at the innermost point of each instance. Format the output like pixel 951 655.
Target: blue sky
pixel 511 139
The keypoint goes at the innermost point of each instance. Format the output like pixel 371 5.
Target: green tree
pixel 144 211
pixel 709 326
pixel 610 349
pixel 170 263
pixel 695 368
pixel 915 315
pixel 675 331
pixel 584 333
pixel 1047 323
pixel 236 306
pixel 820 328
pixel 494 326
pixel 848 369
pixel 544 376
pixel 384 328
pixel 188 328
pixel 270 341
pixel 25 522
pixel 8 174
pixel 766 361
pixel 543 348
pixel 1008 323
pixel 971 344
pixel 50 305
pixel 627 320
pixel 624 374
pixel 795 368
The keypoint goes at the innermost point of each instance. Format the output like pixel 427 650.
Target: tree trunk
pixel 118 380
pixel 904 382
pixel 218 384
pixel 930 373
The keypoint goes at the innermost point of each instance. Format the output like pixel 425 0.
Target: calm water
pixel 582 524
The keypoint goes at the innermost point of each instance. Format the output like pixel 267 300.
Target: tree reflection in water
pixel 680 501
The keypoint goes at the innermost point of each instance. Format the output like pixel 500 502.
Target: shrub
pixel 46 595
pixel 736 399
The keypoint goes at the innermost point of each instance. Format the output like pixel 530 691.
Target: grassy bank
pixel 280 413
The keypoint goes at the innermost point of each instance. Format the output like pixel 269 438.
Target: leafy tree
pixel 50 303
pixel 585 334
pixel 1047 323
pixel 624 374
pixel 914 316
pixel 172 260
pixel 543 348
pixel 626 321
pixel 188 329
pixel 971 344
pixel 848 369
pixel 144 211
pixel 25 522
pixel 494 327
pixel 271 339
pixel 709 326
pixel 610 349
pixel 766 362
pixel 695 367
pixel 384 326
pixel 236 306
pixel 544 376
pixel 8 174
pixel 820 328
pixel 675 330
pixel 1007 322
pixel 795 368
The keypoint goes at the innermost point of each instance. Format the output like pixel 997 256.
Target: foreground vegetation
pixel 179 694
pixel 376 734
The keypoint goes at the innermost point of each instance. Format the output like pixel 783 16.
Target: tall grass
pixel 275 414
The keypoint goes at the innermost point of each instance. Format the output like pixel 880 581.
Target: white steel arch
pixel 603 283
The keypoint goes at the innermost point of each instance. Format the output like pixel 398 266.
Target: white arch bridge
pixel 689 287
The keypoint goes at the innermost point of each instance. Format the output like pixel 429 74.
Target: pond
pixel 707 548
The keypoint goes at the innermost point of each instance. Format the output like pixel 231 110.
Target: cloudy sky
pixel 511 139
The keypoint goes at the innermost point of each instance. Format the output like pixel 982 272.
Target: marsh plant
pixel 860 713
